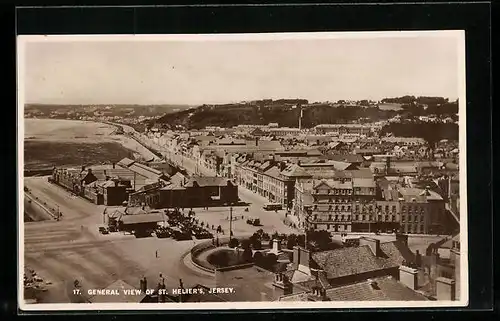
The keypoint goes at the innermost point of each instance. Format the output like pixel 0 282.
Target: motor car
pixel 253 221
pixel 162 232
pixel 182 236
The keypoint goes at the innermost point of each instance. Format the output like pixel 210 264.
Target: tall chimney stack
pixel 300 117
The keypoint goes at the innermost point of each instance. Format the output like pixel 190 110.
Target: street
pixel 71 249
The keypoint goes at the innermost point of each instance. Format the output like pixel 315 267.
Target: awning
pixel 142 218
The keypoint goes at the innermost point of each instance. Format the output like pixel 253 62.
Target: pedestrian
pixel 156 253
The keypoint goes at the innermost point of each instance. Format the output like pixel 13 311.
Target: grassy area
pixel 43 154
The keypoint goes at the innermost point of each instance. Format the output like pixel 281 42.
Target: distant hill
pixel 230 115
pixel 108 109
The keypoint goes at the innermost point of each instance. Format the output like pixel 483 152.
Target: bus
pixel 273 207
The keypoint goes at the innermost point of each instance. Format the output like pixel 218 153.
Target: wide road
pixel 72 249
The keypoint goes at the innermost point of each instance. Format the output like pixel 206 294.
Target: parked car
pixel 182 236
pixel 253 221
pixel 162 232
pixel 103 230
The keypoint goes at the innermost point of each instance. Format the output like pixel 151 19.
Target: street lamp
pixel 230 222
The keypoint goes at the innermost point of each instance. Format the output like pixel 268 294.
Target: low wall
pixel 204 246
pixel 234 267
pixel 38 172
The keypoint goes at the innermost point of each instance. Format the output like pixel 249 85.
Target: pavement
pixel 69 249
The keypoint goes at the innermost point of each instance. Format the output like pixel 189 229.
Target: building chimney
pixel 304 260
pixel 296 257
pixel 445 289
pixel 408 276
pixel 276 247
pixel 374 245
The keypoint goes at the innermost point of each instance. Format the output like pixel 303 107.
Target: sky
pixel 223 70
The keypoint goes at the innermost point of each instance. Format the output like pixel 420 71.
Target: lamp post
pixel 230 222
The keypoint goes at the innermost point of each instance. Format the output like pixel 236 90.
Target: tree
pixel 291 241
pixel 257 244
pixel 233 243
pixel 245 244
pixel 247 255
pixel 270 261
pixel 258 259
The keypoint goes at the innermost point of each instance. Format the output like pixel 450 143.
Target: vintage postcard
pixel 242 171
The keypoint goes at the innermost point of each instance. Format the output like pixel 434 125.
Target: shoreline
pixel 139 151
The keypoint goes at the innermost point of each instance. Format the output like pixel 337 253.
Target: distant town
pixel 266 200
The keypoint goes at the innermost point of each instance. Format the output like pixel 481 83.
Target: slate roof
pixel 349 158
pixel 363 182
pixel 147 171
pixel 332 184
pixel 419 194
pixel 177 178
pixel 273 172
pixel 357 260
pixel 142 218
pixel 203 181
pixel 126 162
pixel 294 170
pixel 386 289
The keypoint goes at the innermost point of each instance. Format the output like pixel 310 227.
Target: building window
pixel 394 208
pixel 329 207
pixel 348 208
pixel 409 218
pixel 363 217
pixel 315 207
pixel 393 218
pixel 327 226
pixel 330 200
pixel 342 208
pixel 343 218
pixel 357 208
pixel 336 217
pixel 387 218
pixel 329 217
pixel 315 217
pixel 421 218
pixel 346 227
pixel 403 209
pixel 387 208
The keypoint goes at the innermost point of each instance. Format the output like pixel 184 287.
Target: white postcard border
pixel 461 82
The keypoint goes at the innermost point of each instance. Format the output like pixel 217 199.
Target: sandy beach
pixel 60 137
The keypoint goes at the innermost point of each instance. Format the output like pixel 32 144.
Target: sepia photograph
pixel 242 171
